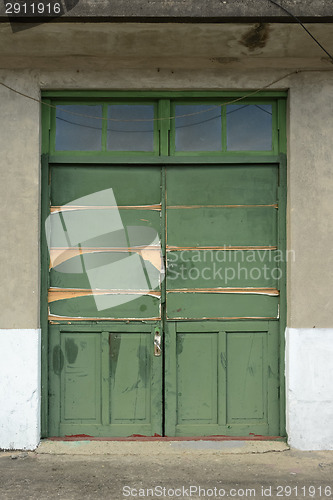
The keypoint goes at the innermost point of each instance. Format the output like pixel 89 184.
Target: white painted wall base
pixel 309 388
pixel 20 389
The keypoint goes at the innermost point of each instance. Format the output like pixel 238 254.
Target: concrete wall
pixel 19 389
pixel 310 194
pixel 309 371
pixel 20 200
pixel 190 9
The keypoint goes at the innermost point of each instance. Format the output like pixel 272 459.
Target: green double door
pixel 164 300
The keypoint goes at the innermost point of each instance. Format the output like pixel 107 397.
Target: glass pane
pixel 129 133
pixel 201 131
pixel 78 133
pixel 249 127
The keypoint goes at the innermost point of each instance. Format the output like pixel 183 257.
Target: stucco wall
pixel 19 199
pixel 310 195
pixel 20 389
pixel 309 372
pixel 310 208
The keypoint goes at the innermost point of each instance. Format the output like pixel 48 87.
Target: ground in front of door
pixel 192 469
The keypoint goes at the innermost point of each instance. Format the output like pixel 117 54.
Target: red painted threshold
pixel 84 437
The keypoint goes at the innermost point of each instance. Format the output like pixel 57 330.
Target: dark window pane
pixel 78 133
pixel 249 127
pixel 129 134
pixel 199 132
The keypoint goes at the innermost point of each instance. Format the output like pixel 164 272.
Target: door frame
pixel 50 157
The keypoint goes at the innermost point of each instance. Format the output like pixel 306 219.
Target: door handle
pixel 157 343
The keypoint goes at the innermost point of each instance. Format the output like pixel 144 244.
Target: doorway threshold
pixel 136 437
pixel 159 446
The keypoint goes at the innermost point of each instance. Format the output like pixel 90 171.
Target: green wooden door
pixel 219 319
pixel 164 217
pixel 222 373
pixel 105 301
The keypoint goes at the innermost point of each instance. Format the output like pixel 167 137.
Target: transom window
pixel 171 127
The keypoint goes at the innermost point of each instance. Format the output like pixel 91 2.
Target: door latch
pixel 157 343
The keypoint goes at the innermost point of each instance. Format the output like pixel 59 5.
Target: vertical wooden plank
pixel 273 379
pixel 105 377
pixel 130 384
pixel 246 377
pixel 156 383
pixel 170 407
pixel 197 380
pixel 44 265
pixel 55 364
pixel 81 377
pixel 222 378
pixel 282 242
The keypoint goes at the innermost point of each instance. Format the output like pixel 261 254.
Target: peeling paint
pixel 222 317
pixel 273 205
pixel 171 248
pixel 58 255
pixel 249 290
pixel 70 208
pixel 54 318
pixel 56 294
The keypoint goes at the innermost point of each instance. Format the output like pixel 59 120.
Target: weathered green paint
pixel 104 382
pixel 212 226
pixel 233 388
pixel 212 305
pixel 129 185
pixel 144 306
pixel 220 377
pixel 44 260
pixel 59 277
pixel 164 125
pixel 221 268
pixel 160 94
pixel 230 185
pixel 235 159
pixel 282 124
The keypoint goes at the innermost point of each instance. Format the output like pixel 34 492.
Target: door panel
pixel 215 268
pixel 222 262
pixel 105 382
pixel 222 226
pixel 222 185
pixel 129 184
pixel 222 378
pixel 106 270
pixel 210 305
pixel 197 378
pixel 246 370
pixel 130 377
pixel 105 243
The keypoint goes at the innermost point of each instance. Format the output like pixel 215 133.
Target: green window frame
pixel 103 151
pixel 164 124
